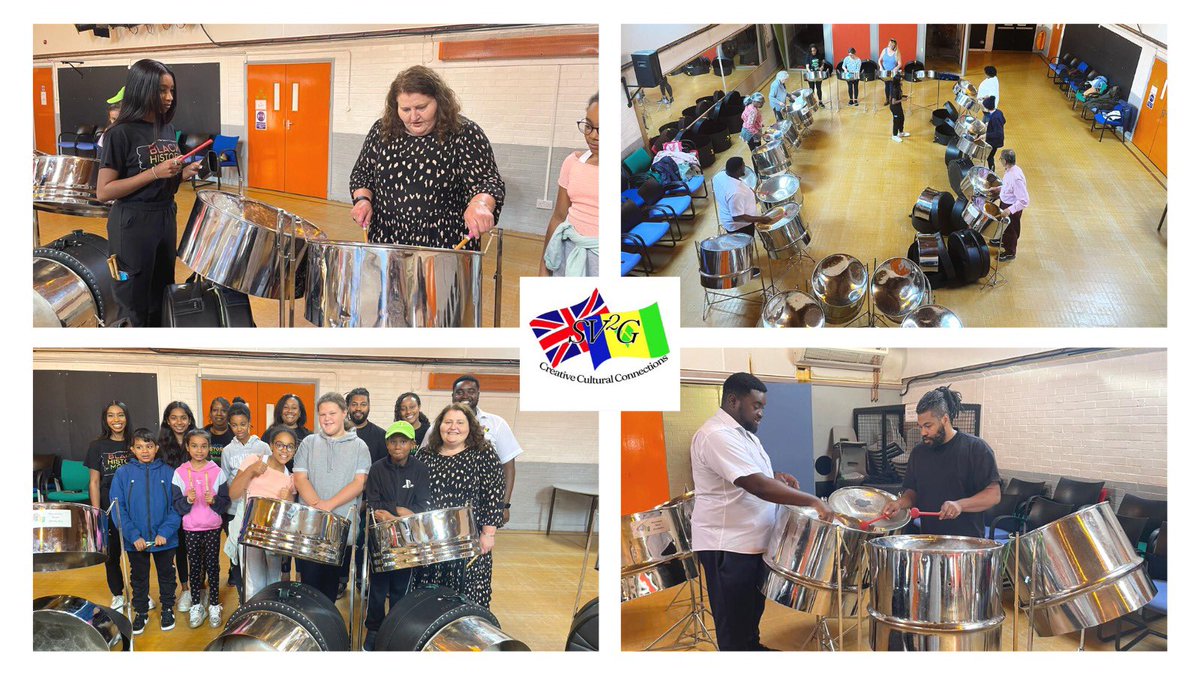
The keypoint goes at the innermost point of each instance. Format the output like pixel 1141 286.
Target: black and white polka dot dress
pixel 473 476
pixel 421 185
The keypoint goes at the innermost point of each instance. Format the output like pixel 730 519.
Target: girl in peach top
pixel 572 237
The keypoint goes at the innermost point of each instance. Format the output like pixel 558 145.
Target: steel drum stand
pixel 499 276
pixel 286 263
pixel 690 630
pixel 126 572
pixel 587 551
pixel 709 294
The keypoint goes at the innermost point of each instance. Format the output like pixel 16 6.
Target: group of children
pixel 167 513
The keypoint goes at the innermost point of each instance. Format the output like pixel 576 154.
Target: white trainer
pixel 897 139
pixel 185 601
pixel 905 134
pixel 214 616
pixel 195 616
pixel 118 602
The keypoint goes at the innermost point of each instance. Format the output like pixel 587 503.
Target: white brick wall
pixel 1096 417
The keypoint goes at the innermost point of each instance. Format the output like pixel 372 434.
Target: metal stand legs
pixel 691 629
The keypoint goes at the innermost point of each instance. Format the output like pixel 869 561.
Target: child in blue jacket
pixel 149 526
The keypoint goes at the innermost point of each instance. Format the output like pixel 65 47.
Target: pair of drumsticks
pixel 914 512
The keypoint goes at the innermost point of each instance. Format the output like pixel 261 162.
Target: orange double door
pixel 288 127
pixel 261 398
pixel 1150 131
pixel 44 137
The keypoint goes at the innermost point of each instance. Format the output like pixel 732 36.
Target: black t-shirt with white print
pixel 106 456
pixel 132 147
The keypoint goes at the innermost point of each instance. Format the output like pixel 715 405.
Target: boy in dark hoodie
pixel 149 526
pixel 397 486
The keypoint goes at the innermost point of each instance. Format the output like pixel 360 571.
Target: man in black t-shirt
pixel 952 472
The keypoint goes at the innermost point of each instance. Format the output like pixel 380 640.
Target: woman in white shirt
pixel 990 85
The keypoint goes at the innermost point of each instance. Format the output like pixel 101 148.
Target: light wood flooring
pixel 521 251
pixel 783 628
pixel 1089 252
pixel 534 582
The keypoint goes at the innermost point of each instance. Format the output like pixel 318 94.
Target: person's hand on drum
pixel 823 511
pixel 402 512
pixel 890 509
pixel 479 215
pixel 361 213
pixel 788 480
pixel 950 511
pixel 383 516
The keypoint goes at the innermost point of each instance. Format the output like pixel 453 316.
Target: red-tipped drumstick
pixel 200 147
pixel 914 512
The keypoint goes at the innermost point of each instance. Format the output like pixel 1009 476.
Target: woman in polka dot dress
pixel 426 175
pixel 464 469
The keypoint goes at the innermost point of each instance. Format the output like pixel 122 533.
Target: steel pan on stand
pixel 424 538
pixel 779 190
pixel 792 309
pixel 66 185
pixel 68 536
pixel 931 316
pixel 840 284
pixel 898 287
pixel 770 159
pixel 727 262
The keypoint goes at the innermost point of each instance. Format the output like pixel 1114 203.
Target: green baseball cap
pixel 120 96
pixel 400 427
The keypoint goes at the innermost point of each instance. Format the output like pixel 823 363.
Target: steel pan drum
pixel 231 241
pixel 965 87
pixel 293 529
pixel 782 130
pixel 64 294
pixel 654 536
pixel 929 251
pixel 977 214
pixel 638 582
pixel 800 113
pixel 424 539
pixel 284 617
pixel 1084 572
pixel 67 185
pixel 64 623
pixel 778 190
pixel 978 182
pixel 969 125
pixel 968 103
pixel 68 536
pixel 931 210
pixel 787 234
pixel 725 261
pixel 792 309
pixel 685 504
pixel 839 283
pixel 438 619
pixel 803 565
pixel 977 151
pixel 71 275
pixel 816 75
pixel 931 316
pixel 935 593
pixel 860 504
pixel 806 97
pixel 749 177
pixel 898 287
pixel 352 284
pixel 770 159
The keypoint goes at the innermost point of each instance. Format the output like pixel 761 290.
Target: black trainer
pixel 139 623
pixel 1005 257
pixel 167 621
pixel 994 242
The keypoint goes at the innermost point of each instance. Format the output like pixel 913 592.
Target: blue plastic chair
pixel 628 262
pixel 1156 561
pixel 1101 120
pixel 226 149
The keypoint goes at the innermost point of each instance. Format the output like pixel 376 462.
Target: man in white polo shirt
pixel 496 430
pixel 737 207
pixel 736 493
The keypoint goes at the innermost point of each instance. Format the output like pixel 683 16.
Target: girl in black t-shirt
pixel 815 63
pixel 105 455
pixel 140 168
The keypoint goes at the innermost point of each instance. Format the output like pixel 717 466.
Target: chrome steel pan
pixel 639 582
pixel 770 159
pixel 473 634
pixel 898 286
pixel 779 190
pixel 1083 571
pixel 353 284
pixel 284 617
pixel 861 504
pixel 977 214
pixel 979 182
pixel 654 536
pixel 800 114
pixel 977 151
pixel 969 125
pixel 64 292
pixel 424 539
pixel 293 529
pixel 931 316
pixel 685 504
pixel 839 283
pixel 806 97
pixel 65 623
pixel 787 235
pixel 725 254
pixel 231 241
pixel 792 309
pixel 929 251
pixel 935 593
pixel 71 275
pixel 68 536
pixel 67 185
pixel 816 75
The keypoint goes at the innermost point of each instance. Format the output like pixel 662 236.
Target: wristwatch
pixel 361 198
pixel 508 505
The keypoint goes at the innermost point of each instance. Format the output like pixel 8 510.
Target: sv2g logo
pixel 590 330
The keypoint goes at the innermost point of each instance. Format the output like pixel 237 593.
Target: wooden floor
pixel 686 89
pixel 1089 252
pixel 521 251
pixel 534 583
pixel 645 619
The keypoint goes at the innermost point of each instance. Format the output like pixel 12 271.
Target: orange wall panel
pixel 847 35
pixel 520 48
pixel 644 482
pixel 905 35
pixel 505 383
pixel 260 398
pixel 44 135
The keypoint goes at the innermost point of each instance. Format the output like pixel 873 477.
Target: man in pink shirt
pixel 1014 198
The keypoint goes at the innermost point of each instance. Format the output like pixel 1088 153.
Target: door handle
pixel 287 124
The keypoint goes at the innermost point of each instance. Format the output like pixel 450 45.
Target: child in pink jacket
pixel 201 495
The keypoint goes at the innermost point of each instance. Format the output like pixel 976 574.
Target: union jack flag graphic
pixel 555 330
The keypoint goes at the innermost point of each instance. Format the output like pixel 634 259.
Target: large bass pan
pixel 67 185
pixel 1081 571
pixel 71 275
pixel 424 539
pixel 231 240
pixel 654 536
pixel 638 582
pixel 65 623
pixel 293 529
pixel 935 593
pixel 438 619
pixel 353 284
pixel 68 536
pixel 284 617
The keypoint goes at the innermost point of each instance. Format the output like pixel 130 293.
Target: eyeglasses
pixel 585 127
pixel 284 446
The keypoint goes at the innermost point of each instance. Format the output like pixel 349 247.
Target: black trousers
pixel 992 157
pixel 112 563
pixel 322 577
pixel 181 560
pixel 204 554
pixel 897 118
pixel 887 92
pixel 1011 233
pixel 386 587
pixel 817 86
pixel 142 236
pixel 733 592
pixel 139 578
pixel 852 89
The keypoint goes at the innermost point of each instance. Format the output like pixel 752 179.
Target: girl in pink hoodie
pixel 201 495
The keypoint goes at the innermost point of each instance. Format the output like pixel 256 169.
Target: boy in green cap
pixel 397 485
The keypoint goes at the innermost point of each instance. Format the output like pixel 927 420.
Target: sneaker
pixel 167 620
pixel 185 601
pixel 821 104
pixel 1005 257
pixel 897 139
pixel 118 602
pixel 139 623
pixel 369 641
pixel 214 616
pixel 152 605
pixel 904 134
pixel 994 242
pixel 195 616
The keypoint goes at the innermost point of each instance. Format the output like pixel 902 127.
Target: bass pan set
pixel 70 536
pixel 656 549
pixel 264 251
pixel 949 246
